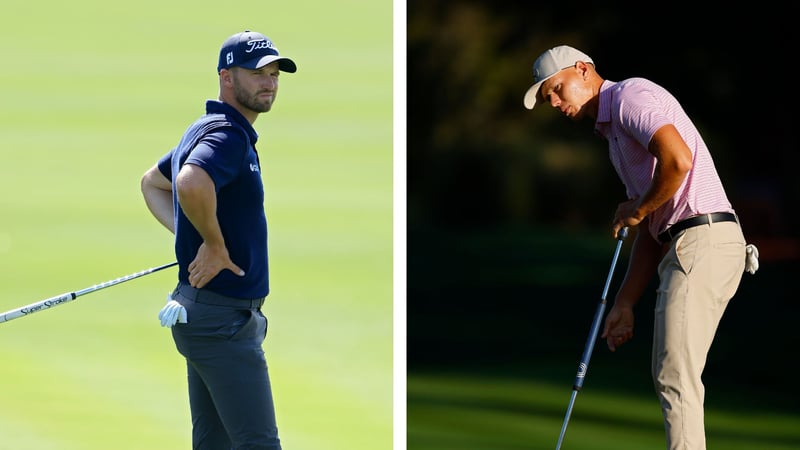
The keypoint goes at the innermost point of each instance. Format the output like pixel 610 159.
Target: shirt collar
pixel 218 107
pixel 604 104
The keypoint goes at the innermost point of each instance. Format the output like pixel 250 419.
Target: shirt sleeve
pixel 641 114
pixel 165 165
pixel 221 154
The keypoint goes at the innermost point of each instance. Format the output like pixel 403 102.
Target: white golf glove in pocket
pixel 751 260
pixel 172 313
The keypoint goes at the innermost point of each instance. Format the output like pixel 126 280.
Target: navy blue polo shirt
pixel 222 142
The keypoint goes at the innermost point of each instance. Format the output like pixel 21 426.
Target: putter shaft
pixel 593 332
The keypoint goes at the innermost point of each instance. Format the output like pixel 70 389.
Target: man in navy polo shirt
pixel 208 191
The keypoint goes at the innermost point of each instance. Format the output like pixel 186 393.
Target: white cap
pixel 550 63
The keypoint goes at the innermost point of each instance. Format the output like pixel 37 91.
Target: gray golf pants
pixel 230 396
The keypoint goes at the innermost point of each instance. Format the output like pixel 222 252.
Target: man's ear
pixel 583 68
pixel 226 77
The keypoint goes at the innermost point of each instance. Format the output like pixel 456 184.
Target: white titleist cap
pixel 548 64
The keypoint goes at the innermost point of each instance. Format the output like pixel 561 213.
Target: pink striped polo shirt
pixel 629 114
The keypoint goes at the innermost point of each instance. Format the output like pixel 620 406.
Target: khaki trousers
pixel 699 274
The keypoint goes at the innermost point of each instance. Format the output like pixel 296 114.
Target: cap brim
pixel 284 64
pixel 532 96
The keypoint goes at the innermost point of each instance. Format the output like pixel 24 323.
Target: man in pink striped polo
pixel 686 229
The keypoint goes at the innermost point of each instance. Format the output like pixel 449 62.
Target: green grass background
pixel 93 94
pixel 495 372
pixel 525 411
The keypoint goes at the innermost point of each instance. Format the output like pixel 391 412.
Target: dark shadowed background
pixel 509 210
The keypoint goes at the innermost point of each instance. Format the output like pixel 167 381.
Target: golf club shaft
pixel 595 329
pixel 64 298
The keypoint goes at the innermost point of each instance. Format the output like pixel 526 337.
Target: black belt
pixel 705 219
pixel 212 298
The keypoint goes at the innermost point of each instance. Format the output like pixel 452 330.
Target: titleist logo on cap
pixel 258 44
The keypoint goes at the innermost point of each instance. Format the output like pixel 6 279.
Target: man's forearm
pixel 157 193
pixel 160 205
pixel 643 263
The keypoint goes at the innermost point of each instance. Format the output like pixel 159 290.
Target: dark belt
pixel 704 219
pixel 212 298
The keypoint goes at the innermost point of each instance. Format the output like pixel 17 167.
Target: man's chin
pixel 261 107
